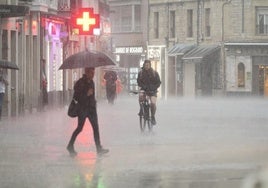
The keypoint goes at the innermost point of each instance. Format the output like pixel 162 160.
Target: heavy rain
pixel 208 142
pixel 210 128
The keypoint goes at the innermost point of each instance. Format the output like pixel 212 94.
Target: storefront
pixel 247 69
pixel 195 70
pixel 11 29
pixel 157 55
pixel 175 62
pixel 52 53
pixel 130 58
pixel 201 67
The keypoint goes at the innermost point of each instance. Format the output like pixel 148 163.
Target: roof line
pixel 246 43
pixel 191 58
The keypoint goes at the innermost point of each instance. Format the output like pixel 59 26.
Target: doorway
pixel 189 80
pixel 263 80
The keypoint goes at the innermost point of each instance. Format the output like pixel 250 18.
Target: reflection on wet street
pixel 197 143
pixel 89 166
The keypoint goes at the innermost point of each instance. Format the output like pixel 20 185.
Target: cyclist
pixel 149 81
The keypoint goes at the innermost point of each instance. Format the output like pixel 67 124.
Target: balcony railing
pixel 64 5
pixel 261 29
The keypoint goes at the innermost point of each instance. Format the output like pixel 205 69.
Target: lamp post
pixel 222 46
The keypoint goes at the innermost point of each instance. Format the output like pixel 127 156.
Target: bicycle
pixel 145 112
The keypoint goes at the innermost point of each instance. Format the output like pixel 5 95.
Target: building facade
pixel 129 37
pixel 34 42
pixel 208 52
pixel 37 35
pixel 10 38
pixel 246 48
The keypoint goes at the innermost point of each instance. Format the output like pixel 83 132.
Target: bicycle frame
pixel 145 112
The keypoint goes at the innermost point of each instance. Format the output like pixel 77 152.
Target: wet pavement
pixel 201 143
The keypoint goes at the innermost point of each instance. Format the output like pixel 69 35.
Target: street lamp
pixel 222 45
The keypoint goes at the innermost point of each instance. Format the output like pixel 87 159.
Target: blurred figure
pixel 256 180
pixel 3 85
pixel 84 93
pixel 119 86
pixel 44 90
pixel 44 83
pixel 110 77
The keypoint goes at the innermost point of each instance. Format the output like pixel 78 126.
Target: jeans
pixel 93 118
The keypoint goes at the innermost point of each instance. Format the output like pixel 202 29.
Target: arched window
pixel 241 75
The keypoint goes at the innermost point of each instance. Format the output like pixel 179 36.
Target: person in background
pixel 119 86
pixel 44 83
pixel 3 85
pixel 149 81
pixel 110 77
pixel 84 93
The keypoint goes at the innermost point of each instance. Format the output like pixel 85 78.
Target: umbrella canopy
pixel 114 68
pixel 87 59
pixel 8 65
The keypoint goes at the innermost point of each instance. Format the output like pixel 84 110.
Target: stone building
pixel 246 42
pixel 210 47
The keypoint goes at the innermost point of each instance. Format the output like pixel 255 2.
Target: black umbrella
pixel 8 65
pixel 114 68
pixel 87 59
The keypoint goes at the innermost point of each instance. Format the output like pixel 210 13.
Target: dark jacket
pixel 149 81
pixel 110 77
pixel 81 88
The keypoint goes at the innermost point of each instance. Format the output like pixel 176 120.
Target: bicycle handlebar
pixel 142 91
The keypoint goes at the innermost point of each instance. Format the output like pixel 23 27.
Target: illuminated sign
pixel 86 21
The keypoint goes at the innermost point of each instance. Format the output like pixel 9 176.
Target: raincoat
pixel 149 81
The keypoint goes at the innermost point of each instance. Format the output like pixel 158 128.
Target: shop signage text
pixel 129 50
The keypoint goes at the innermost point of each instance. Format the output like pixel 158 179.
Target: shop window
pixel 241 75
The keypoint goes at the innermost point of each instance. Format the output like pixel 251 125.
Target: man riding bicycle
pixel 149 81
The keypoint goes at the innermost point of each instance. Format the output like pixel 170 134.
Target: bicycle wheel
pixel 147 117
pixel 149 123
pixel 142 120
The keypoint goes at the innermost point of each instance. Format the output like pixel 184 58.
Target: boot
pixel 71 150
pixel 140 112
pixel 153 120
pixel 101 150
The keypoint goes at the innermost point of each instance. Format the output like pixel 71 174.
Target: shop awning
pixel 200 52
pixel 7 11
pixel 180 49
